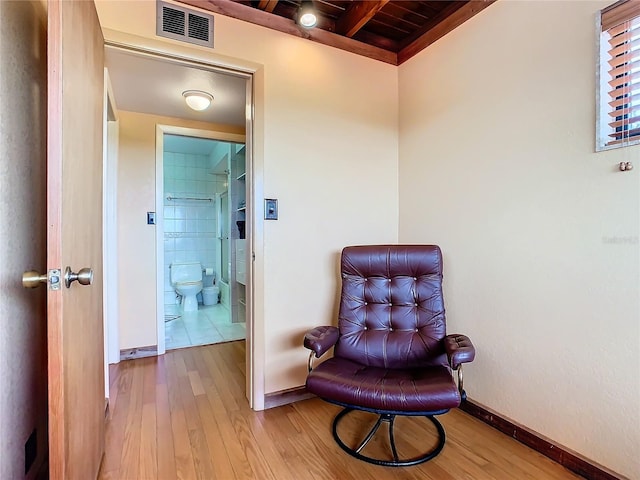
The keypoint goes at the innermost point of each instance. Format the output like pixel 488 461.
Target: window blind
pixel 621 30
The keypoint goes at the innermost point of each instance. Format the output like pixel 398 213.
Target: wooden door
pixel 74 239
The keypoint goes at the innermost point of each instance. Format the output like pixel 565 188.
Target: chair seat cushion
pixel 411 390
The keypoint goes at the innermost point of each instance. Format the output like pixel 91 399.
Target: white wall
pixel 539 233
pixel 136 239
pixel 23 313
pixel 326 139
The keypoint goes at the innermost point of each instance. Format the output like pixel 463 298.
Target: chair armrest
pixel 459 350
pixel 321 339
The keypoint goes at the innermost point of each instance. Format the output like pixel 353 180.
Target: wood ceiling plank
pixel 333 9
pixel 245 13
pixel 448 9
pixel 426 9
pixel 447 24
pixel 385 26
pixel 271 4
pixel 357 15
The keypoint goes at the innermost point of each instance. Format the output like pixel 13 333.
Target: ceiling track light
pixel 197 99
pixel 307 16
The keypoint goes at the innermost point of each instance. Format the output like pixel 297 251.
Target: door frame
pixel 110 228
pixel 161 131
pixel 254 139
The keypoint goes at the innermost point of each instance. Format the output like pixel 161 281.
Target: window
pixel 619 76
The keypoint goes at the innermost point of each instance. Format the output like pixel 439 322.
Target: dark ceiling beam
pixel 373 39
pixel 357 15
pixel 267 5
pixel 445 25
pixel 249 14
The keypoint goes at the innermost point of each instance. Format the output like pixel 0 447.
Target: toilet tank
pixel 186 272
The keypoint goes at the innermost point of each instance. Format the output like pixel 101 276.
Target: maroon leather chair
pixel 392 355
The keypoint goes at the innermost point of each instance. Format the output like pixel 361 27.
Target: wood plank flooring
pixel 184 416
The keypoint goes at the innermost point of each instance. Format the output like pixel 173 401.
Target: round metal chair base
pixel 396 462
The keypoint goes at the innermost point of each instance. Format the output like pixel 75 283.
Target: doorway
pixel 197 183
pixel 188 127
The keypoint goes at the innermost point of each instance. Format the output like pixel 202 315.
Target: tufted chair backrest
pixel 391 308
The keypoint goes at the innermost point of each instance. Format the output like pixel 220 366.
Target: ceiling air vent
pixel 179 23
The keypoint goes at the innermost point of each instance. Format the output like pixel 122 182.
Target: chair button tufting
pixel 389 280
pixel 366 303
pixel 415 304
pixel 391 329
pixel 391 304
pixel 415 278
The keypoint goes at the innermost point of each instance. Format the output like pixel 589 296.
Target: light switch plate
pixel 151 218
pixel 270 209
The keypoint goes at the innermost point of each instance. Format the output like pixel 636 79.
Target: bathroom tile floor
pixel 210 324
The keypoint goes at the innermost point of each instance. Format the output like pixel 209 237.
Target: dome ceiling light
pixel 197 99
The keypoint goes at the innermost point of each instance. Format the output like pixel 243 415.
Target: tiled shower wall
pixel 189 225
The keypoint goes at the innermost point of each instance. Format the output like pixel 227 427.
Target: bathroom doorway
pixel 199 176
pixel 148 86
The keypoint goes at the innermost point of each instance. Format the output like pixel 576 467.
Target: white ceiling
pixel 148 85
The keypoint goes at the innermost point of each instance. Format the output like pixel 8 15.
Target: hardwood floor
pixel 184 416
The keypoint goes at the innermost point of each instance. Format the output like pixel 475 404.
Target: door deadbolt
pixel 84 276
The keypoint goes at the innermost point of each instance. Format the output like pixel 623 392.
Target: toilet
pixel 186 279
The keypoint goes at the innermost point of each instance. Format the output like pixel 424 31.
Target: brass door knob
pixel 33 279
pixel 84 276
